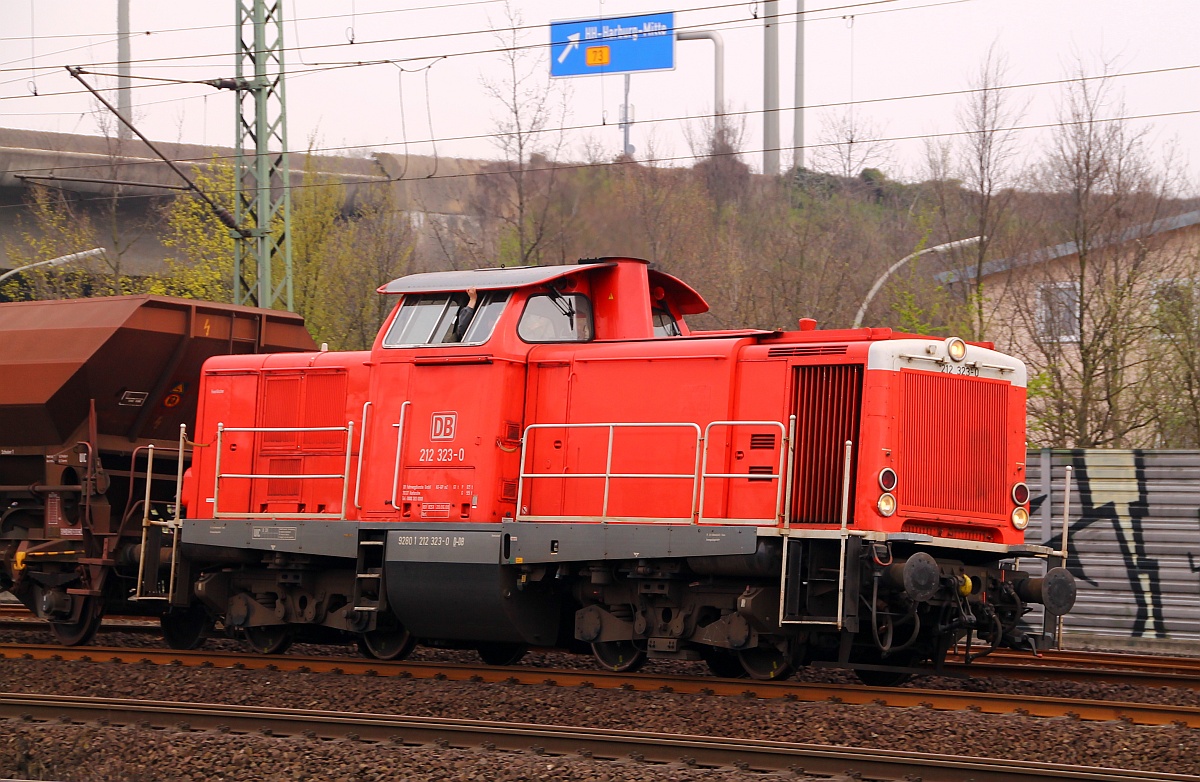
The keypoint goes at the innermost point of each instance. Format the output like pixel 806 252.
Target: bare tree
pixel 523 199
pixel 1086 303
pixel 974 184
pixel 848 143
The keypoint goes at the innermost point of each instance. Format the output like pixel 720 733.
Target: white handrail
pixel 607 475
pixel 399 426
pixel 775 476
pixel 344 476
pixel 844 533
pixel 172 525
pixel 362 446
pixel 698 476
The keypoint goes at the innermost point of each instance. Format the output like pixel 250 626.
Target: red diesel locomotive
pixel 561 461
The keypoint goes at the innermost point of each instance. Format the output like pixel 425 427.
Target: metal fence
pixel 1133 541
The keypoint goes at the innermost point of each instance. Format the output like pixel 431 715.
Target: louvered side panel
pixel 953 444
pixel 280 408
pixel 325 405
pixel 828 401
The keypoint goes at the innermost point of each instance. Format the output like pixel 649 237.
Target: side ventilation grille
pixel 828 410
pixel 762 442
pixel 807 350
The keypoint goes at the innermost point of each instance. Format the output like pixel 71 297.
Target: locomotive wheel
pixel 81 632
pixel 268 639
pixel 184 628
pixel 723 663
pixel 765 663
pixel 502 654
pixel 619 656
pixel 387 644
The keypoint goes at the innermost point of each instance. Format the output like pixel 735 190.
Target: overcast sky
pixel 868 51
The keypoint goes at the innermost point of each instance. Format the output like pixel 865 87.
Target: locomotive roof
pixel 485 279
pixel 688 301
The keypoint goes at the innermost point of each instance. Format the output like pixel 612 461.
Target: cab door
pixel 386 418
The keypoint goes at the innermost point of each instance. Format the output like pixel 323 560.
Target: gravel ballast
pixel 85 753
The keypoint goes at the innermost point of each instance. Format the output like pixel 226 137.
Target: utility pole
pixel 124 100
pixel 263 250
pixel 798 111
pixel 627 120
pixel 771 88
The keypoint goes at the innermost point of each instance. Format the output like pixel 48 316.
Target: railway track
pixel 753 756
pixel 1113 667
pixel 901 697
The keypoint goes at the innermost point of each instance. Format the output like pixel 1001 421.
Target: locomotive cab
pixel 551 456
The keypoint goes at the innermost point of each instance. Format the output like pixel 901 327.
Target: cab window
pixel 556 318
pixel 441 318
pixel 665 324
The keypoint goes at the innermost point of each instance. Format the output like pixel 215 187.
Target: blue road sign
pixel 583 47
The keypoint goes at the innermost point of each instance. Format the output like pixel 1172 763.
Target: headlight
pixel 1020 518
pixel 1020 494
pixel 956 349
pixel 887 479
pixel 886 504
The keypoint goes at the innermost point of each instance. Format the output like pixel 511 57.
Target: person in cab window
pixel 462 320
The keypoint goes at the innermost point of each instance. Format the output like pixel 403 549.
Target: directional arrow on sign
pixel 573 43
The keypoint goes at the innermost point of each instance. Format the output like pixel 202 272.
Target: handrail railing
pixel 608 474
pixel 362 448
pixel 777 476
pixel 698 477
pixel 399 426
pixel 171 524
pixel 344 476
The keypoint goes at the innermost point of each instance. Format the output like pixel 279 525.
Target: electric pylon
pixel 263 206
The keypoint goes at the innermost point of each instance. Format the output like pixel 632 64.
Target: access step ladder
pixel 369 595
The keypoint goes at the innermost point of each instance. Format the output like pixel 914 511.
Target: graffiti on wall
pixel 1113 496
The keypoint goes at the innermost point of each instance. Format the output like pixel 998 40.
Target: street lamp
pixel 862 311
pixel 59 261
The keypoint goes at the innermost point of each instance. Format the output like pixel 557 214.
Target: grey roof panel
pixel 485 279
pixel 1046 254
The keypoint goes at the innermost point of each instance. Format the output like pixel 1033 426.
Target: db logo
pixel 444 426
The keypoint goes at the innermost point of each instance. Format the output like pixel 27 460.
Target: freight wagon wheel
pixel 723 663
pixel 619 656
pixel 395 644
pixel 268 639
pixel 502 654
pixel 184 628
pixel 765 663
pixel 80 632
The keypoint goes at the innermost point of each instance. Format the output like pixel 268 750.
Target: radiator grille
pixel 283 488
pixel 807 350
pixel 280 408
pixel 953 444
pixel 324 405
pixel 958 531
pixel 828 401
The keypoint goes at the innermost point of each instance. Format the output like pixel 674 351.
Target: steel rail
pixel 897 697
pixel 701 751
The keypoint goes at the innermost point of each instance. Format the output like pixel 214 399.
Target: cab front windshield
pixel 445 318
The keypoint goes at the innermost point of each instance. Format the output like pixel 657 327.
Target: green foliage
pixel 200 265
pixel 52 227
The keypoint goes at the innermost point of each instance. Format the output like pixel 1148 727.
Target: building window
pixel 1058 312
